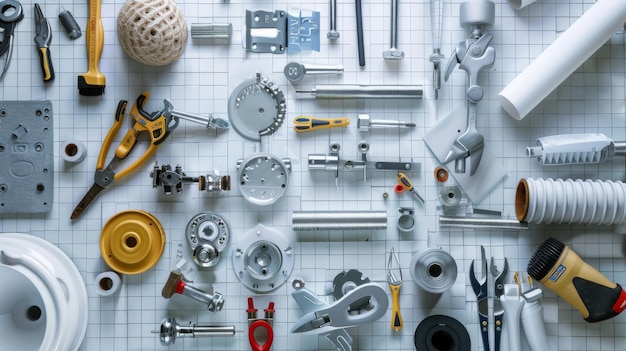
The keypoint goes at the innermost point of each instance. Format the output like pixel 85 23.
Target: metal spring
pixel 338 220
pixel 571 201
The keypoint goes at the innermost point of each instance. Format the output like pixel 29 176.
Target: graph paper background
pixel 591 100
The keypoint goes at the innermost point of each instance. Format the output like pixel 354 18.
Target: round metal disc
pixel 256 107
pixel 263 179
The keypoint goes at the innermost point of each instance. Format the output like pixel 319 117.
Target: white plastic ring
pixel 73 151
pixel 107 283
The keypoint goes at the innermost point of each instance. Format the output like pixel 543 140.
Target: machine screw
pixel 333 34
pixel 393 53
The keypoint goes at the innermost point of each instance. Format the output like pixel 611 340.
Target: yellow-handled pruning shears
pixel 394 280
pixel 157 124
pixel 307 124
pixel 43 38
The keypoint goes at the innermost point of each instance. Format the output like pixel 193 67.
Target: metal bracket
pixel 332 162
pixel 266 31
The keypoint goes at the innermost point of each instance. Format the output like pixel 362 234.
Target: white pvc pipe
pixel 570 50
pixel 570 201
pixel 520 4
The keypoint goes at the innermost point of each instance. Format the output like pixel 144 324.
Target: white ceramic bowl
pixel 44 299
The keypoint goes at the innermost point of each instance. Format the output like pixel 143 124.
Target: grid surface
pixel 590 100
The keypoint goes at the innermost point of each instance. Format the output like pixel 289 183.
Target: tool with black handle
pixel 560 269
pixel 308 124
pixel 43 37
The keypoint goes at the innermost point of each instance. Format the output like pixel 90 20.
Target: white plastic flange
pixel 263 259
pixel 107 283
pixel 57 282
pixel 73 151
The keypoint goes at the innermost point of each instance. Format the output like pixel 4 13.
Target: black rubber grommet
pixel 441 333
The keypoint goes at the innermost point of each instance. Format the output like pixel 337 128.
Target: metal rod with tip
pixel 332 34
pixel 359 32
pixel 295 71
pixel 355 91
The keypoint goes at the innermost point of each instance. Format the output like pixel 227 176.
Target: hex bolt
pixel 393 53
pixel 332 33
pixel 295 71
pixel 176 284
pixel 365 123
pixel 170 330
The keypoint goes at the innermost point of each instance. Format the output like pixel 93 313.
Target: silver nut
pixel 216 303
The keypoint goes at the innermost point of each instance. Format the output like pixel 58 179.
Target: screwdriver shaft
pixel 354 91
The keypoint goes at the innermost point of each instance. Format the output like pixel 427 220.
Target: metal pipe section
pixel 570 201
pixel 338 220
pixel 355 91
pixel 481 223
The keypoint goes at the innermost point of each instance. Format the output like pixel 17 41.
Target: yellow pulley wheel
pixel 132 241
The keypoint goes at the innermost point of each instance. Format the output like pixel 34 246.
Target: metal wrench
pixel 472 55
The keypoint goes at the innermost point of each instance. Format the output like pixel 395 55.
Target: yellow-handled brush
pixel 93 82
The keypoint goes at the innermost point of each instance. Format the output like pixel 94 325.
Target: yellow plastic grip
pixel 396 316
pixel 568 267
pixel 94 39
pixel 108 139
pixel 46 64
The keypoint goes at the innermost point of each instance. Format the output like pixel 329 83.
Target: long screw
pixel 333 34
pixel 393 53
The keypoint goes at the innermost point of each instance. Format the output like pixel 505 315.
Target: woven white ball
pixel 152 32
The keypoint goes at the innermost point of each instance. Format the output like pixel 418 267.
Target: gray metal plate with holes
pixel 27 174
pixel 266 31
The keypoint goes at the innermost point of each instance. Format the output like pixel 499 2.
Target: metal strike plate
pixel 266 31
pixel 26 153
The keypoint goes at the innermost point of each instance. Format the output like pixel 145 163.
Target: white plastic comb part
pixel 571 149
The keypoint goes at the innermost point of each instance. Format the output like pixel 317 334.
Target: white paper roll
pixel 107 283
pixel 564 56
pixel 520 4
pixel 73 151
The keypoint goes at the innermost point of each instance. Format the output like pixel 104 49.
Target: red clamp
pixel 264 323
